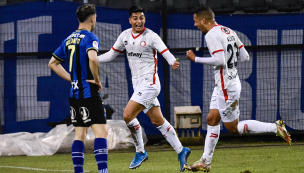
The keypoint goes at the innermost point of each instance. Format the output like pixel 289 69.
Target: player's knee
pixel 81 136
pixel 156 123
pixel 232 130
pixel 127 117
pixel 211 121
pixel 102 134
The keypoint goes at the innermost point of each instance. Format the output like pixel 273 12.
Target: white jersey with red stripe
pixel 141 52
pixel 221 38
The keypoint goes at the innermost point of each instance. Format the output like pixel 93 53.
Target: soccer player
pixel 86 107
pixel 141 45
pixel 226 50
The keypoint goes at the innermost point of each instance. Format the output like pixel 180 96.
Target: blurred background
pixel 34 99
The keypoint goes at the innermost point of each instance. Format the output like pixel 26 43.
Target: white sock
pixel 169 133
pixel 136 133
pixel 212 137
pixel 253 126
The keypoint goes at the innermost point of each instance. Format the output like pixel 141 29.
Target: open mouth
pixel 138 26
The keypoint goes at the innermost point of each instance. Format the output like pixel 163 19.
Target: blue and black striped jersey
pixel 75 49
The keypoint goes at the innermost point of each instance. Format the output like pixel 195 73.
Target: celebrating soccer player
pixel 226 50
pixel 86 107
pixel 141 45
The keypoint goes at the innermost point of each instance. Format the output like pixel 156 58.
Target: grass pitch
pixel 262 159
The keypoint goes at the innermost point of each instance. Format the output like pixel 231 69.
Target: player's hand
pixel 96 83
pixel 175 65
pixel 190 55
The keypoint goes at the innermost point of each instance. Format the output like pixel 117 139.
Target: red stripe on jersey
pixel 138 34
pixel 217 51
pixel 241 46
pixel 223 85
pixel 155 64
pixel 116 50
pixel 164 51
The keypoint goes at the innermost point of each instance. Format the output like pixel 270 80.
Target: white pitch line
pixel 38 169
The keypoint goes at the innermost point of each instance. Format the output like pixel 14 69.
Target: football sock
pixel 212 137
pixel 253 126
pixel 78 155
pixel 101 154
pixel 136 133
pixel 169 133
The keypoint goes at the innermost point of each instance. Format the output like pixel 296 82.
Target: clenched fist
pixel 190 55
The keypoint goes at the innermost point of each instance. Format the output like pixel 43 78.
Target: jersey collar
pixel 138 34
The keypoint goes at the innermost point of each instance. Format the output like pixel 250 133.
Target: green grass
pixel 266 159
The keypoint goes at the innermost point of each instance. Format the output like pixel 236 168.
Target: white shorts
pixel 146 95
pixel 227 103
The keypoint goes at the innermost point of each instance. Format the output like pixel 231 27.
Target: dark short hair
pixel 85 11
pixel 204 11
pixel 135 9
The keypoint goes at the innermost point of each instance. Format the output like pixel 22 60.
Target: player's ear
pixel 130 20
pixel 93 18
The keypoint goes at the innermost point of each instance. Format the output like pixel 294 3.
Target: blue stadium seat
pixel 286 5
pixel 253 6
pixel 221 6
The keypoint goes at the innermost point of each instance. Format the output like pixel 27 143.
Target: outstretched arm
pixel 108 56
pixel 217 58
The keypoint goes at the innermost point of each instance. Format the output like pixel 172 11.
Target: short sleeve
pixel 92 43
pixel 158 44
pixel 60 53
pixel 119 45
pixel 214 44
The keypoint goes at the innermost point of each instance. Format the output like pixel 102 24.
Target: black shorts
pixel 86 112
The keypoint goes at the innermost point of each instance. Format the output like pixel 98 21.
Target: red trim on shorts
pixel 164 51
pixel 138 34
pixel 155 65
pixel 241 46
pixel 223 85
pixel 217 51
pixel 116 50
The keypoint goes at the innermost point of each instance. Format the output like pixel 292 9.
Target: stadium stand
pixel 120 5
pixel 253 6
pixel 287 6
pixel 221 6
pixel 155 5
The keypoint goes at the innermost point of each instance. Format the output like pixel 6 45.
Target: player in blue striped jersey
pixel 86 107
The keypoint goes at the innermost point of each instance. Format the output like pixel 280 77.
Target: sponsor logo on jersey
pixel 225 30
pixel 134 54
pixel 139 93
pixel 95 44
pixel 143 44
pixel 74 84
pixel 231 38
pixel 126 42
